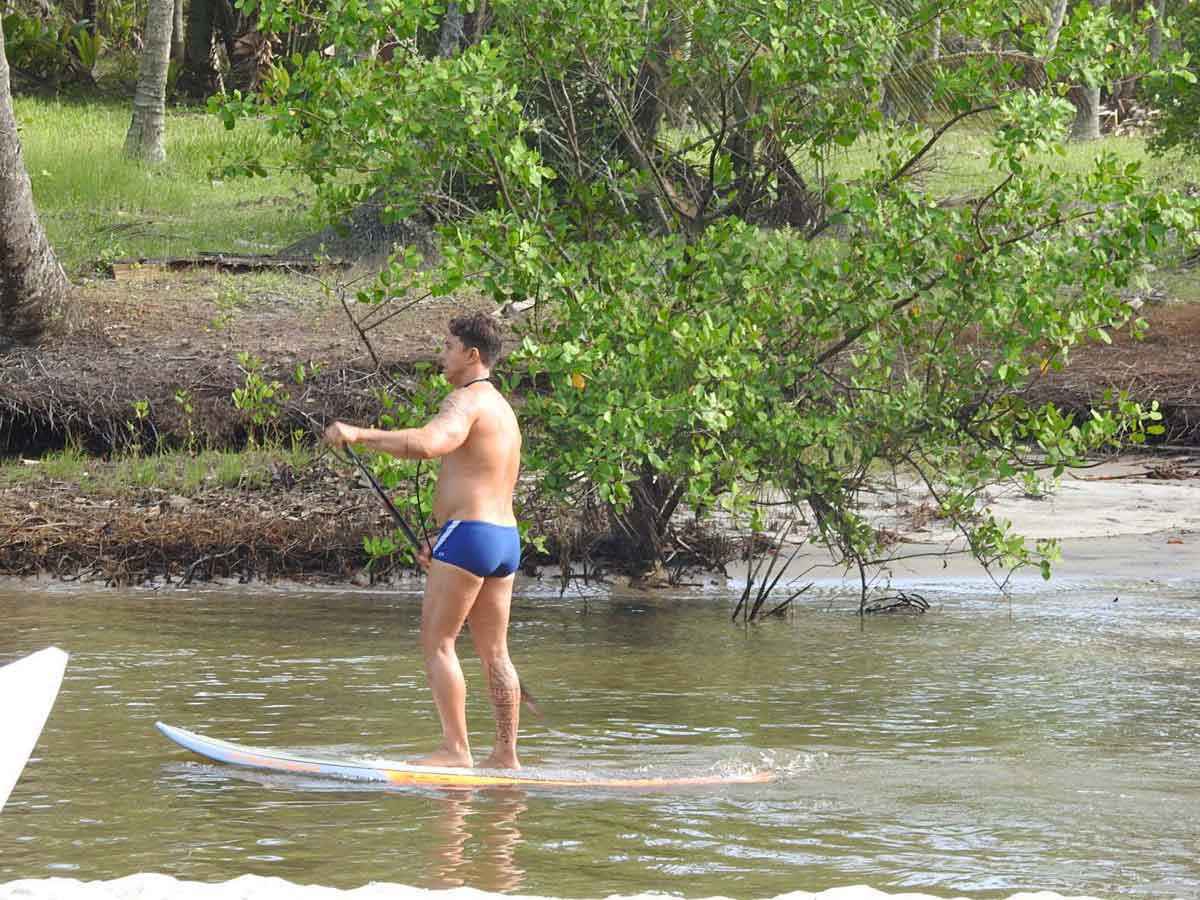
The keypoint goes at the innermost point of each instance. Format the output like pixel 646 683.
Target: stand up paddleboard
pixel 28 688
pixel 399 773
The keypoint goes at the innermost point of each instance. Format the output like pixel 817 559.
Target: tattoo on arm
pixel 450 427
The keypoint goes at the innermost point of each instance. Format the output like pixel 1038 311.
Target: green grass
pixel 97 205
pixel 961 160
pixel 176 472
pixel 961 163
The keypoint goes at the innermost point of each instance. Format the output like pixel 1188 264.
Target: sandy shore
pixel 1113 520
pixel 253 887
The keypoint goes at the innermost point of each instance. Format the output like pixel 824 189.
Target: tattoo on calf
pixel 506 700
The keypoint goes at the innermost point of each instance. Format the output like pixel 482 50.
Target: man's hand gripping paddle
pixel 526 697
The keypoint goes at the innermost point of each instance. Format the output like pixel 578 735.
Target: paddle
pixel 382 495
pixel 526 697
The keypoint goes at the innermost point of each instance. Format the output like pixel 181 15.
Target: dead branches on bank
pixel 312 529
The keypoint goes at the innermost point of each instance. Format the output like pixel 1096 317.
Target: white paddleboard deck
pixel 402 773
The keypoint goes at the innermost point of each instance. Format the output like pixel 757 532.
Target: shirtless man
pixel 472 563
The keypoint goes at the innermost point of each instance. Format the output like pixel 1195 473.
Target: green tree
pixel 1175 93
pixel 741 290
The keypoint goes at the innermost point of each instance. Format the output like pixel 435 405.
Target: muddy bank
pixel 1164 366
pixel 1137 514
pixel 305 523
pixel 159 361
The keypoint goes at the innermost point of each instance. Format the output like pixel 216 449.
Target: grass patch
pixel 182 473
pixel 98 205
pixel 960 164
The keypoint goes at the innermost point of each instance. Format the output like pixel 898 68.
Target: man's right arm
pixel 442 435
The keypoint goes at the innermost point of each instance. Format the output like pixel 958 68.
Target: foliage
pixel 121 21
pixel 260 398
pixel 409 483
pixel 1175 93
pixel 50 49
pixel 719 316
pixel 55 43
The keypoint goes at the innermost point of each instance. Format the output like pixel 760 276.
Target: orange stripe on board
pixel 400 776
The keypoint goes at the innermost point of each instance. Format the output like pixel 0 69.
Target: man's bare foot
pixel 446 759
pixel 498 761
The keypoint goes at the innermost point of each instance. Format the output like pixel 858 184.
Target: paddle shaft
pixel 387 501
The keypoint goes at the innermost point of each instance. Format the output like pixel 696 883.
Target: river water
pixel 1051 742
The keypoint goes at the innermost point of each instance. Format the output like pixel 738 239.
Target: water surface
pixel 983 748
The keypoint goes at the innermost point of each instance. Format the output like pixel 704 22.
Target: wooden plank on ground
pixel 148 269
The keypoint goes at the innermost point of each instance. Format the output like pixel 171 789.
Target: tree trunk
pixel 91 14
pixel 1156 29
pixel 451 38
pixel 33 286
pixel 200 76
pixel 644 524
pixel 652 87
pixel 177 38
pixel 476 23
pixel 145 139
pixel 1086 126
pixel 1057 15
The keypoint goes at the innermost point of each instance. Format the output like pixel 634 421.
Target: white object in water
pixel 27 691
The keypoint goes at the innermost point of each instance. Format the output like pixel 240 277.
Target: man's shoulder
pixel 476 403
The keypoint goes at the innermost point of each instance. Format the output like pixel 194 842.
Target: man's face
pixel 455 358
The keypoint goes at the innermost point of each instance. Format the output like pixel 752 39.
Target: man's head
pixel 474 341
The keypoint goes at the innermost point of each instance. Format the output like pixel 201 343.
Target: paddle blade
pixel 527 699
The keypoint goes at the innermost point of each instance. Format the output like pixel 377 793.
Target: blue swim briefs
pixel 483 549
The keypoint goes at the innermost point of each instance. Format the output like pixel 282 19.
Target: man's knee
pixel 434 646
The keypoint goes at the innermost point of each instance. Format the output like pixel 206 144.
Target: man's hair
pixel 481 331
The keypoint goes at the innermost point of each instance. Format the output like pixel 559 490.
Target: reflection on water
pixel 980 749
pixel 475 844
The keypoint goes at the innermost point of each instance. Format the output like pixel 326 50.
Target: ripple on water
pixel 983 747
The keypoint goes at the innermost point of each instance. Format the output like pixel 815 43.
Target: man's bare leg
pixel 450 593
pixel 489 632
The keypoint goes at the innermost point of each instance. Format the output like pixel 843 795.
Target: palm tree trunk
pixel 200 76
pixel 145 139
pixel 1086 98
pixel 91 13
pixel 177 33
pixel 33 286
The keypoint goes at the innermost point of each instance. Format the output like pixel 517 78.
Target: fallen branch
pixel 144 268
